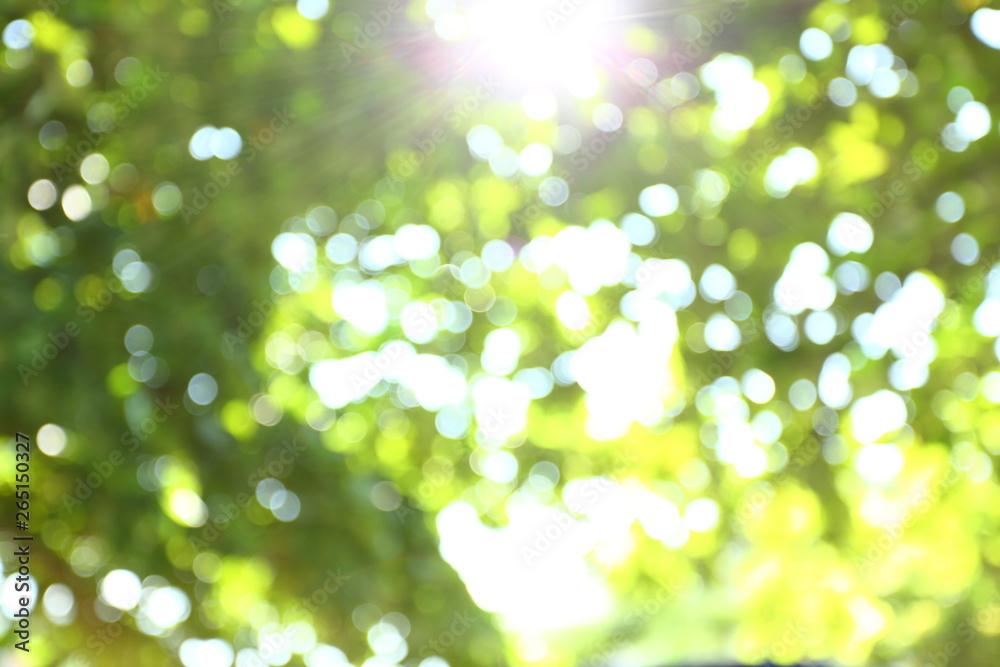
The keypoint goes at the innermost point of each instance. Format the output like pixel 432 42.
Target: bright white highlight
pixel 849 232
pixel 121 589
pixel 904 323
pixel 878 463
pixel 796 167
pixel 501 407
pixel 539 44
pixel 626 372
pixel 804 283
pixel 879 414
pixel 593 257
pixel 532 572
pixel 986 26
pixel 740 98
pixel 362 305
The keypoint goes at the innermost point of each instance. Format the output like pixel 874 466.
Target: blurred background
pixel 482 333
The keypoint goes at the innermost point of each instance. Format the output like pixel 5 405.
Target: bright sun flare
pixel 534 43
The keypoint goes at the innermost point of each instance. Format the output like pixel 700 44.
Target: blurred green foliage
pixel 795 568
